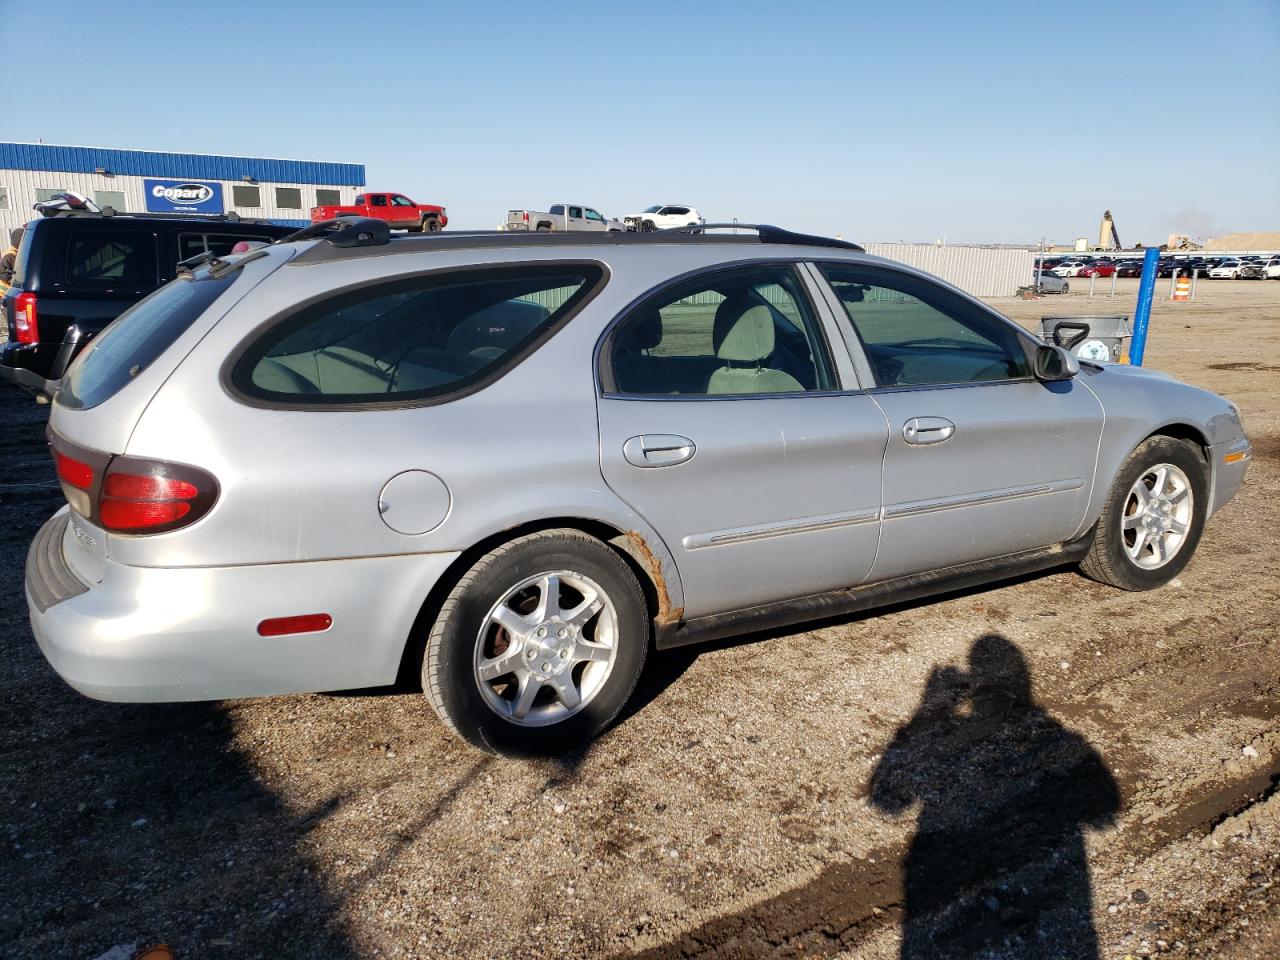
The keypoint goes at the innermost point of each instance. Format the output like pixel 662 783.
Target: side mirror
pixel 1055 363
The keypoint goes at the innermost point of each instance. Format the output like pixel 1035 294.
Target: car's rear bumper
pixel 162 634
pixel 1229 463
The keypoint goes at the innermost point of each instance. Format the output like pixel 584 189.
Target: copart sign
pixel 183 196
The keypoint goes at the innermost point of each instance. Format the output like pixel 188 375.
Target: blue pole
pixel 1142 315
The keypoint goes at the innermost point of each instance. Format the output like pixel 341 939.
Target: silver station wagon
pixel 520 462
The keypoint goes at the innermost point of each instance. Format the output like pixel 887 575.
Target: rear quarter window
pixel 134 340
pixel 111 259
pixel 423 338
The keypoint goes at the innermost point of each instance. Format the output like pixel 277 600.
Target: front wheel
pixel 1065 288
pixel 1153 517
pixel 539 646
pixel 431 225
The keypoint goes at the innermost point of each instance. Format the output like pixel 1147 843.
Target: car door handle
pixel 658 450
pixel 926 430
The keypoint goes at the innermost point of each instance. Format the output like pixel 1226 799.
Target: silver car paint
pixel 297 529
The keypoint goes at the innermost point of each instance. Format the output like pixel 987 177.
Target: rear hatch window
pixel 136 338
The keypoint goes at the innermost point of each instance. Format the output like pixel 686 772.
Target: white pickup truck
pixel 561 216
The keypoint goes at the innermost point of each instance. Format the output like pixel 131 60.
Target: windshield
pixel 134 340
pixel 654 209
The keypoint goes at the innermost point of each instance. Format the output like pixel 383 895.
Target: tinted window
pixel 115 259
pixel 133 341
pixel 245 196
pixel 288 198
pixel 575 211
pixel 747 331
pixel 377 200
pixel 413 338
pixel 328 198
pixel 915 332
pixel 24 257
pixel 558 209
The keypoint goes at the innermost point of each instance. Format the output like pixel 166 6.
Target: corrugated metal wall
pixel 980 271
pixel 22 186
pixel 177 166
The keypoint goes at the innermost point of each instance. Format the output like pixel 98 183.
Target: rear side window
pixel 115 259
pixel 133 341
pixel 413 338
pixel 24 257
pixel 738 332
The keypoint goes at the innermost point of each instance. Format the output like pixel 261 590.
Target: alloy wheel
pixel 1157 516
pixel 546 648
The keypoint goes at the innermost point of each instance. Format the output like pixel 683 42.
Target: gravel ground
pixel 1106 762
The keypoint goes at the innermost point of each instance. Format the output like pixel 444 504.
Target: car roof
pixel 346 242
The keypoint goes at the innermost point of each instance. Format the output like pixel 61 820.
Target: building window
pixel 4 198
pixel 109 198
pixel 47 193
pixel 328 198
pixel 288 198
pixel 242 196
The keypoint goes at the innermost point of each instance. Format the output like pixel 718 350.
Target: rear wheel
pixel 539 646
pixel 1153 518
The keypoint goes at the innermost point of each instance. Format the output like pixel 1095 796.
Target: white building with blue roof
pixel 148 181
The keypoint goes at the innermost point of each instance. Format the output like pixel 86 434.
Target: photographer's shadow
pixel 998 863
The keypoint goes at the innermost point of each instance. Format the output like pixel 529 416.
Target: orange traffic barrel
pixel 1182 290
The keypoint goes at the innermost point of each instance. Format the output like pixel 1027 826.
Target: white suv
pixel 663 215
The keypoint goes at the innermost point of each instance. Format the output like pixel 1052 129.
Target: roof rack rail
pixel 771 234
pixel 345 232
pixel 108 212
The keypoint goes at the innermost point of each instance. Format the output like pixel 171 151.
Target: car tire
pixel 1065 288
pixel 1131 536
pixel 497 616
pixel 647 227
pixel 431 225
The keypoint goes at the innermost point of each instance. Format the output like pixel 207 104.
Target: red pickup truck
pixel 399 211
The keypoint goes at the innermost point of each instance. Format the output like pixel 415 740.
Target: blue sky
pixel 996 121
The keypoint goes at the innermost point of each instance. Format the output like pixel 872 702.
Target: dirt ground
pixel 1107 760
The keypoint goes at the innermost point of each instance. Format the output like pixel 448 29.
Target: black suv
pixel 76 272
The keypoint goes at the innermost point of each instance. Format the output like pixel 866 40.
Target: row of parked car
pixel 1250 267
pixel 577 216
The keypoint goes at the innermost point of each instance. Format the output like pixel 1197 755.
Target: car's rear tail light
pixel 76 478
pixel 152 496
pixel 526 216
pixel 131 495
pixel 25 325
